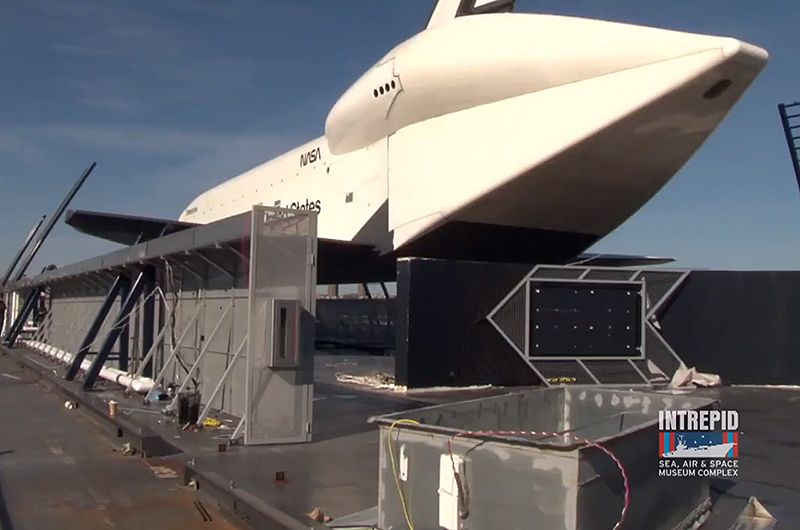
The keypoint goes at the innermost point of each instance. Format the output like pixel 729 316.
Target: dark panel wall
pixel 443 338
pixel 744 326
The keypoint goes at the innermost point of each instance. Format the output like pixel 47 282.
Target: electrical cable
pixel 626 504
pixel 461 485
pixel 175 301
pixel 396 475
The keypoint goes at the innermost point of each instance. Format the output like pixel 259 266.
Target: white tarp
pixel 690 378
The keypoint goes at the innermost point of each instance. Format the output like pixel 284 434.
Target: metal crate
pixel 548 480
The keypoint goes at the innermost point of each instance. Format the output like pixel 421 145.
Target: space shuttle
pixel 491 135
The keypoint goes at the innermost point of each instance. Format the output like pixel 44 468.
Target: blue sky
pixel 173 97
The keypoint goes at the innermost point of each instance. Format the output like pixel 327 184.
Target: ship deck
pixel 338 471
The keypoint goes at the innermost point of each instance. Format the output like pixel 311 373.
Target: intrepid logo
pixel 314 206
pixel 698 420
pixel 698 443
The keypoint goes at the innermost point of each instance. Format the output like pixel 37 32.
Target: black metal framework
pixel 18 257
pixel 195 254
pixel 201 259
pixel 130 297
pixel 120 285
pixel 125 332
pixel 179 248
pixel 27 308
pixel 791 123
pixel 148 323
pixel 53 220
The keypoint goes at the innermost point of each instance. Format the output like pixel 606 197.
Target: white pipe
pixel 138 384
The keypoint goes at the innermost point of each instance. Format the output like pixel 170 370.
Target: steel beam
pixel 121 323
pixel 239 427
pixel 239 254
pixel 212 263
pixel 19 323
pixel 163 310
pixel 125 333
pixel 53 220
pixel 147 358
pixel 199 359
pixel 364 290
pixel 94 329
pixel 15 261
pixel 174 352
pixel 149 315
pixel 191 270
pixel 221 382
pixel 790 138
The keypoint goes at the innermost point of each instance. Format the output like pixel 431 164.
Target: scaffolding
pixel 223 312
pixel 790 119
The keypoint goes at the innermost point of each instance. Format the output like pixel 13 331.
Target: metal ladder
pixel 790 118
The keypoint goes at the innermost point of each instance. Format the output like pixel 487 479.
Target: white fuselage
pixel 539 123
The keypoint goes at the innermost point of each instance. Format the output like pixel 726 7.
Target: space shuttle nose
pixel 745 53
pixel 621 46
pixel 473 61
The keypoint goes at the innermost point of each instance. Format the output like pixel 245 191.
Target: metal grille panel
pixel 609 275
pixel 558 273
pixel 658 284
pixel 510 320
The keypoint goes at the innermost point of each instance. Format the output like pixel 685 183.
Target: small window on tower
pixel 348 197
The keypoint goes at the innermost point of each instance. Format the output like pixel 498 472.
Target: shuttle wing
pixel 619 260
pixel 445 10
pixel 356 261
pixel 345 261
pixel 123 229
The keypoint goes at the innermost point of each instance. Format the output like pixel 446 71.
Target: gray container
pixel 527 482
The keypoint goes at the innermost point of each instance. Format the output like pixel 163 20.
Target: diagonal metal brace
pixel 94 329
pixel 199 359
pixel 173 353
pixel 222 381
pixel 790 138
pixel 120 323
pixel 19 323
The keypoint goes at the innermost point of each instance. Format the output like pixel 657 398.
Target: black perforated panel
pixel 585 320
